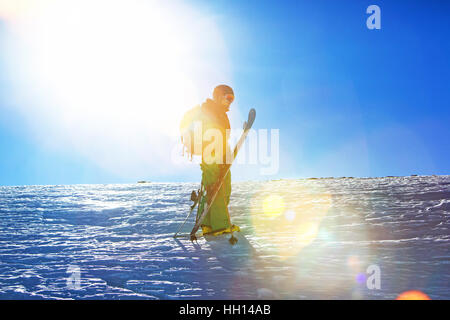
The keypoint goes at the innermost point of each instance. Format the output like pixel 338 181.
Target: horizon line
pixel 239 181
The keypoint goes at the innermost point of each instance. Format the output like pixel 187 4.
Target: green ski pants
pixel 218 216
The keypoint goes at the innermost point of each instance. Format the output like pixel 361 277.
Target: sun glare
pixel 289 228
pixel 110 73
pixel 113 60
pixel 273 205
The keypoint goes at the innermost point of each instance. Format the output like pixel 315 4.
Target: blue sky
pixel 348 101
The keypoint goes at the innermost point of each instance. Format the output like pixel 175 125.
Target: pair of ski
pixel 216 187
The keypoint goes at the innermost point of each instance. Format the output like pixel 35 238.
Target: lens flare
pixel 413 295
pixel 301 227
pixel 289 215
pixel 353 262
pixel 273 206
pixel 288 222
pixel 361 278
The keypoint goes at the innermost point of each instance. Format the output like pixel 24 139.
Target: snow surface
pixel 120 238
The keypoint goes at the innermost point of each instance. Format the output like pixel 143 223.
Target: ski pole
pixel 192 209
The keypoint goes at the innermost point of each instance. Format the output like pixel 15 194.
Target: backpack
pixel 191 133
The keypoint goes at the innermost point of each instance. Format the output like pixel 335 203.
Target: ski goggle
pixel 229 97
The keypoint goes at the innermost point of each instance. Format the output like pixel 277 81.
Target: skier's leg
pixel 209 176
pixel 227 187
pixel 219 212
pixel 217 217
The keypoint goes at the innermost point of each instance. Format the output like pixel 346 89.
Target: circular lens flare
pixel 413 295
pixel 288 221
pixel 273 206
pixel 289 215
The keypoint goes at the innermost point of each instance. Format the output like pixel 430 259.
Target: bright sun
pixel 121 60
pixel 111 72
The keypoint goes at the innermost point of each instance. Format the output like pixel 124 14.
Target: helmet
pixel 221 90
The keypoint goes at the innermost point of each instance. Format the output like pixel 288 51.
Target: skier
pixel 213 113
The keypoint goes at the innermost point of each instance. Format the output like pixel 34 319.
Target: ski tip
pixel 251 118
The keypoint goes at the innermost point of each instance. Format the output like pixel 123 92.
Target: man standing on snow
pixel 214 116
